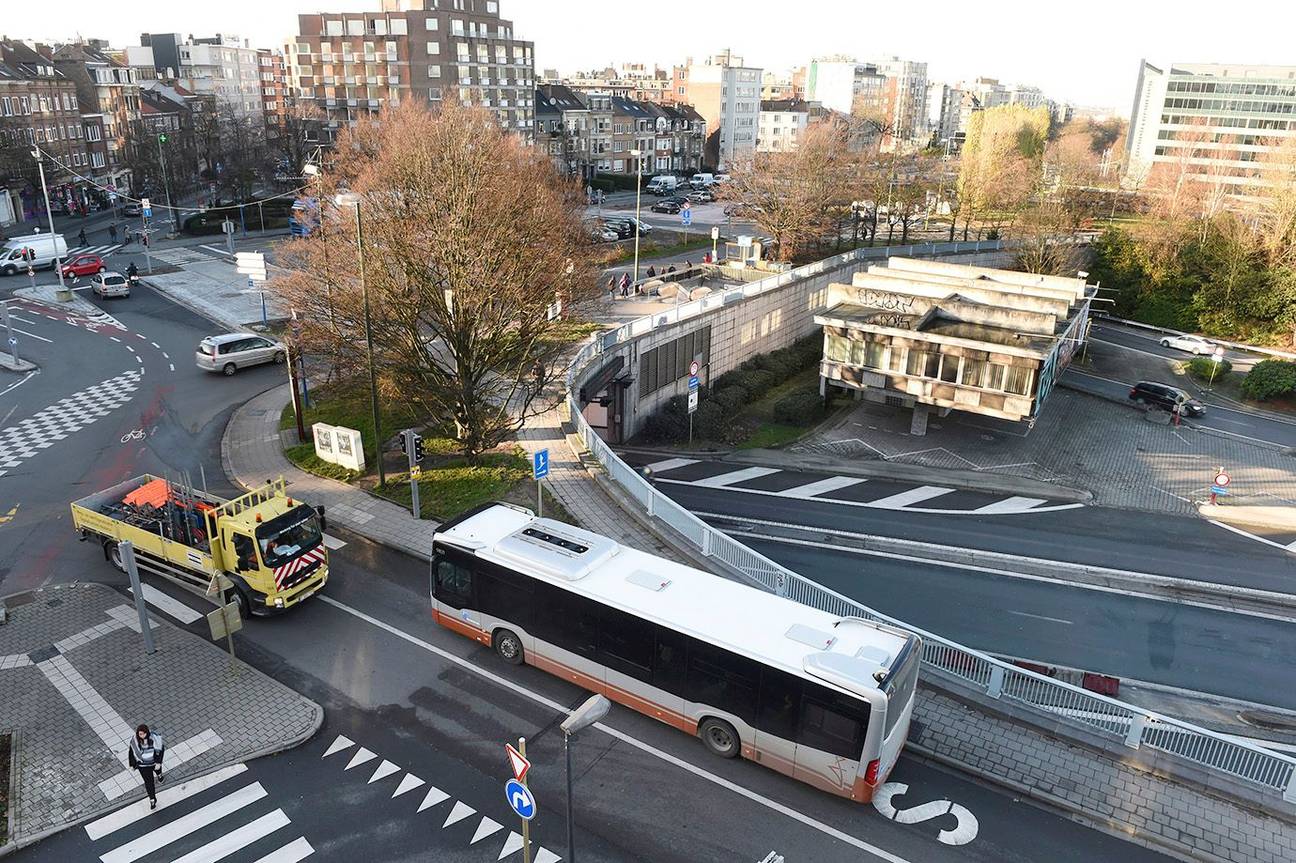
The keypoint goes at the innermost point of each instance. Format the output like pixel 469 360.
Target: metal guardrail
pixel 1237 346
pixel 1097 714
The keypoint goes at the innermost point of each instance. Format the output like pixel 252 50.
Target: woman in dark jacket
pixel 146 749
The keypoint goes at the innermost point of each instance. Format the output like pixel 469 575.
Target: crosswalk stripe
pixel 91 250
pixel 332 543
pixel 224 846
pixel 128 815
pixel 913 495
pixel 294 852
pixel 1010 505
pixel 182 827
pixel 168 604
pixel 671 464
pixel 823 486
pixel 734 476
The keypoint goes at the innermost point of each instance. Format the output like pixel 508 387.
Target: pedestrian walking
pixel 652 273
pixel 112 231
pixel 145 755
pixel 670 269
pixel 612 286
pixel 625 284
pixel 81 238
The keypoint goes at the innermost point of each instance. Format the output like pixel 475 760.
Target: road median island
pixel 1225 597
pixel 76 653
pixel 1278 517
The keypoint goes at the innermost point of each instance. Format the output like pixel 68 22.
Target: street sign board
pixel 692 401
pixel 693 383
pixel 224 621
pixel 144 202
pixel 252 265
pixel 520 799
pixel 715 232
pixel 694 368
pixel 1219 490
pixel 686 217
pixel 1222 479
pixel 416 472
pixel 540 464
pixel 517 762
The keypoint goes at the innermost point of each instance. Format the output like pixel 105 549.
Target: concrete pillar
pixel 918 426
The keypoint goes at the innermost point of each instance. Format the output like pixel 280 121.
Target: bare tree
pixel 469 237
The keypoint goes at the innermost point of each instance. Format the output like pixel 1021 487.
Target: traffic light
pixel 162 137
pixel 418 448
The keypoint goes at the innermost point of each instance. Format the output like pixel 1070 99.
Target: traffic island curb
pixel 1275 517
pixel 8 363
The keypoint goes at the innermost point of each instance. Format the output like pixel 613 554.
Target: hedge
pixel 1270 379
pixel 1203 368
pixel 800 408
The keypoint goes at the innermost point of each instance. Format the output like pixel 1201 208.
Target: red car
pixel 83 265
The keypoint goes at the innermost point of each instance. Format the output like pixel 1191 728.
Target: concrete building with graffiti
pixel 935 336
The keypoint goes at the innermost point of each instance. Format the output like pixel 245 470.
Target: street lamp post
pixel 351 199
pixel 58 263
pixel 638 157
pixel 594 709
pixel 166 187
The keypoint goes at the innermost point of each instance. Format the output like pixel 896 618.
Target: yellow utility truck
pixel 263 550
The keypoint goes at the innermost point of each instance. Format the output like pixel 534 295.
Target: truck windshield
pixel 287 536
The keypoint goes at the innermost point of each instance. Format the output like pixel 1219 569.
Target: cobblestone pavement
pixel 77 681
pixel 1114 451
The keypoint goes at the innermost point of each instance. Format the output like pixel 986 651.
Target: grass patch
pixel 456 485
pixel 303 455
pixel 567 332
pixel 347 406
pixel 771 436
pixel 757 420
pixel 654 249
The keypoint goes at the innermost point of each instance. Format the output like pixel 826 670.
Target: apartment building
pixel 109 94
pixel 905 99
pixel 351 64
pixel 223 66
pixel 274 91
pixel 846 85
pixel 726 92
pixel 776 86
pixel 1220 120
pixel 39 107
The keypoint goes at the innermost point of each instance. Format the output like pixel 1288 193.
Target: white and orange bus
pixel 824 699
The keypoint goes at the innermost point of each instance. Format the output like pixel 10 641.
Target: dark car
pixel 1165 397
pixel 666 206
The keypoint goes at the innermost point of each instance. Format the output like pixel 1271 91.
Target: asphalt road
pixel 440 707
pixel 178 411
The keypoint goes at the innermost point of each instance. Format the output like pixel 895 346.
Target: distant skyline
pixel 1087 55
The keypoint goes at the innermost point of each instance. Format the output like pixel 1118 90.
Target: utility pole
pixel 13 340
pixel 63 292
pixel 166 187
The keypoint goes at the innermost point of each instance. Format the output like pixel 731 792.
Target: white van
pixel 45 248
pixel 702 181
pixel 662 184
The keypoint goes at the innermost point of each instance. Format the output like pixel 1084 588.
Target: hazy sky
pixel 1084 52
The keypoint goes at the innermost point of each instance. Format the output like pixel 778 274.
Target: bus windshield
pixel 283 538
pixel 900 690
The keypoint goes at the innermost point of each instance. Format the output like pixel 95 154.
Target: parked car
pixel 233 351
pixel 130 208
pixel 701 196
pixel 110 285
pixel 1194 345
pixel 1166 397
pixel 621 227
pixel 667 206
pixel 83 265
pixel 604 235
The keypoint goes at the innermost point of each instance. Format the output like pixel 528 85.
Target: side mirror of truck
pixel 322 519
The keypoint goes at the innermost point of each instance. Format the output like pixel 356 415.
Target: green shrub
pixel 1203 368
pixel 1270 379
pixel 755 381
pixel 709 422
pixel 800 408
pixel 731 399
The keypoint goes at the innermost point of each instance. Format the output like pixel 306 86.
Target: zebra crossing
pixel 433 797
pixel 210 818
pixel 101 251
pixel 24 440
pixel 853 491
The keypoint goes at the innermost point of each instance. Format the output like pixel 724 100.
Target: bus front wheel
pixel 720 737
pixel 509 647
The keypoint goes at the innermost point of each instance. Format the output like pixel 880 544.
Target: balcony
pixel 374 103
pixel 393 79
pixel 330 103
pixel 352 102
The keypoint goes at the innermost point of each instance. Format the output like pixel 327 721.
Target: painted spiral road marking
pixel 964 833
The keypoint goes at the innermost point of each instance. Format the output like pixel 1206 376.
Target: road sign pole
pixel 13 341
pixel 127 551
pixel 409 436
pixel 571 816
pixel 526 825
pixel 148 256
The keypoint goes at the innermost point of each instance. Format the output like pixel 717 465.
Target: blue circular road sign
pixel 520 799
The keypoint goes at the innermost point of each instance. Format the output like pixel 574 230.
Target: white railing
pixel 1097 714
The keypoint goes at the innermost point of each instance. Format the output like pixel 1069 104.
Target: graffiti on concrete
pixel 898 322
pixel 885 300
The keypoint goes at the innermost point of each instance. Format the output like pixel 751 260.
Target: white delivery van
pixel 45 249
pixel 702 181
pixel 663 184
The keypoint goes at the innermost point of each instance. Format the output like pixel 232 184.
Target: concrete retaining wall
pixel 756 325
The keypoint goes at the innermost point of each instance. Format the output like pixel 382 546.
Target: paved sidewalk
pixel 211 287
pixel 77 682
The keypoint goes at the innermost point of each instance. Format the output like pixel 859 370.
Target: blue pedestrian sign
pixel 686 217
pixel 1219 489
pixel 520 799
pixel 540 464
pixel 693 383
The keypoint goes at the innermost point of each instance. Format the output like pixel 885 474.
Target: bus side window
pixel 829 728
pixel 454 584
pixel 780 703
pixel 670 661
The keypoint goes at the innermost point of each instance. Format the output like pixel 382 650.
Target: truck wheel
pixel 237 596
pixel 112 554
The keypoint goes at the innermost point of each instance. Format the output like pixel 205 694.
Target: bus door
pixel 776 720
pixel 454 589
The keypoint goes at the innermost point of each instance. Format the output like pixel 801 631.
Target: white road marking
pixel 140 810
pixel 155 344
pixel 512 845
pixel 238 839
pixel 172 366
pixel 342 742
pixel 1042 617
pixel 362 756
pixel 545 855
pixel 484 829
pixel 115 339
pixel 409 783
pixel 460 811
pixel 165 355
pixel 215 249
pixel 294 852
pixel 168 604
pixel 14 317
pixel 129 779
pixel 822 486
pixel 384 770
pixel 670 464
pixel 433 797
pixel 33 336
pixel 139 359
pixel 913 495
pixel 104 721
pixel 1240 532
pixel 646 748
pixel 1010 505
pixel 332 543
pixel 182 827
pixel 734 476
pixel 964 833
pixel 15 386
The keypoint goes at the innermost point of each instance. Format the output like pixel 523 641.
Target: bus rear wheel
pixel 720 737
pixel 509 647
